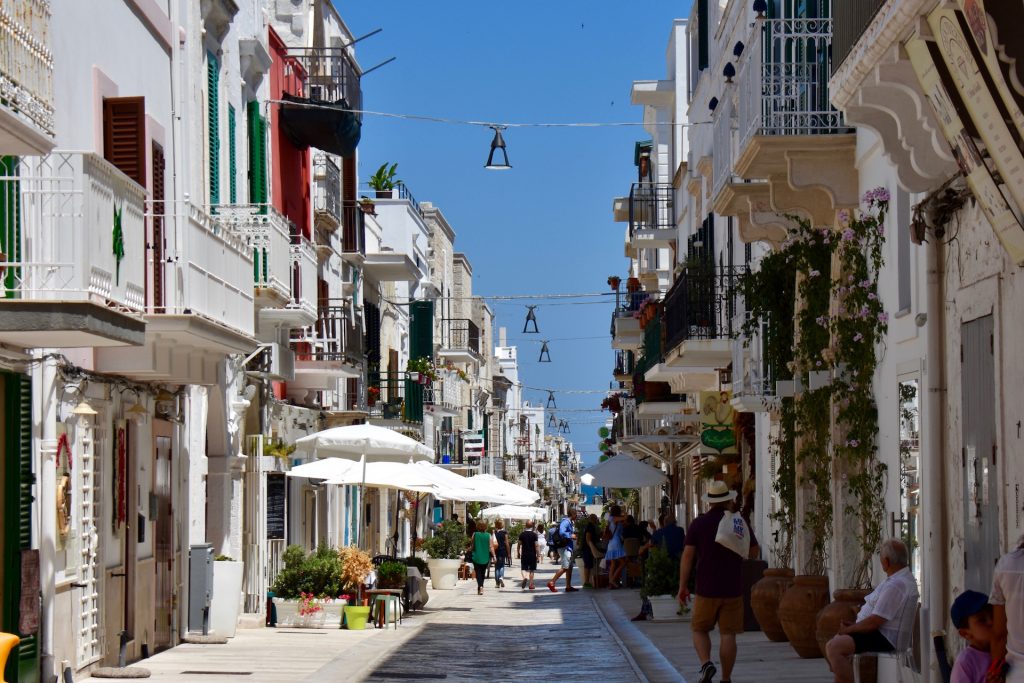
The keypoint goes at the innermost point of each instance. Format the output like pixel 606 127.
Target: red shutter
pixel 124 133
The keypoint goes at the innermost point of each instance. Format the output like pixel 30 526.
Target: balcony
pixel 330 349
pixel 652 223
pixel 26 78
pixel 699 311
pixel 284 266
pixel 624 365
pixel 625 329
pixel 443 396
pixel 460 341
pixel 63 282
pixel 753 385
pixel 642 433
pixel 787 130
pixel 326 193
pixel 331 81
pixel 353 234
pixel 391 266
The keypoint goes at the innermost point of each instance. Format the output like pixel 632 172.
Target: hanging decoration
pixel 120 475
pixel 550 405
pixel 545 355
pixel 63 446
pixel 565 426
pixel 118 243
pixel 552 424
pixel 531 317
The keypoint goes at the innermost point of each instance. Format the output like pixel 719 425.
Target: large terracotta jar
pixel 764 600
pixel 798 613
pixel 845 605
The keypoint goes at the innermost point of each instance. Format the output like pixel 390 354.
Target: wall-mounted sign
pixel 717 417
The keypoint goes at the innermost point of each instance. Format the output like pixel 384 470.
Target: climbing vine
pixel 857 328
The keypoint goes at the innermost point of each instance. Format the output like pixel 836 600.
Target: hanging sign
pixel 717 416
pixel 980 169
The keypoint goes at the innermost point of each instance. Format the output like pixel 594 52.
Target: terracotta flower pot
pixel 798 613
pixel 764 599
pixel 844 607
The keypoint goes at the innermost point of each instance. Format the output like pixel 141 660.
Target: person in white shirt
pixel 1007 599
pixel 882 617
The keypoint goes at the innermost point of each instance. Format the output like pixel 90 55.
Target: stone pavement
pixel 504 635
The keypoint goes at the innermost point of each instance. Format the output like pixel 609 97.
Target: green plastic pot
pixel 356 617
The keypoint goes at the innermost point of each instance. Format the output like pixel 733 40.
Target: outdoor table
pixel 380 618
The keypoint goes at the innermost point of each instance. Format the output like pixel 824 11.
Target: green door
pixel 16 502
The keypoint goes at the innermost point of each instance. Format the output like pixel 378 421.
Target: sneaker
pixel 532 586
pixel 551 587
pixel 707 672
pixel 524 584
pixel 571 589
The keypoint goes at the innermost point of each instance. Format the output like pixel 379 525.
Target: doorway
pixel 163 538
pixel 981 486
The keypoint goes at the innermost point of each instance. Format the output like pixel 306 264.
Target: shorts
pixel 871 641
pixel 726 612
pixel 529 564
pixel 588 558
pixel 565 557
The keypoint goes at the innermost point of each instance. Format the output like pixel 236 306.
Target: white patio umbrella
pixel 512 493
pixel 364 443
pixel 625 472
pixel 394 475
pixel 514 512
pixel 452 486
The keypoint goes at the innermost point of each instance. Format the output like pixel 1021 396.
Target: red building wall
pixel 290 173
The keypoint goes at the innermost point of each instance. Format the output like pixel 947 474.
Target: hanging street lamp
pixel 498 143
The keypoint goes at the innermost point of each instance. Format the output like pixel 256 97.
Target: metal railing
pixel 353 230
pixel 624 363
pixel 336 336
pixel 26 63
pixel 702 304
pixel 753 375
pixel 850 20
pixel 327 187
pixel 650 207
pixel 331 75
pixel 784 82
pixel 460 334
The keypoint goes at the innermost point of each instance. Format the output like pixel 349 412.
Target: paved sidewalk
pixel 758 659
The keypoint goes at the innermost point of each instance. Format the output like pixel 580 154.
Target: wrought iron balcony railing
pixel 327 189
pixel 336 336
pixel 26 63
pixel 331 75
pixel 650 207
pixel 460 334
pixel 784 82
pixel 701 304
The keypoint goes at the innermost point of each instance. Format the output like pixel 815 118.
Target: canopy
pixel 515 512
pixel 376 444
pixel 452 486
pixel 625 472
pixel 394 475
pixel 329 126
pixel 488 484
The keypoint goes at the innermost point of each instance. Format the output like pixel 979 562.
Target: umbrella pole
pixel 415 523
pixel 395 536
pixel 359 513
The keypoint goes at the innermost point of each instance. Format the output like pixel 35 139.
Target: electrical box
pixel 200 586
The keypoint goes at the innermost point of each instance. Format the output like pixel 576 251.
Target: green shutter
pixel 257 155
pixel 703 34
pixel 412 406
pixel 421 329
pixel 213 124
pixel 232 157
pixel 23 662
pixel 469 419
pixel 10 222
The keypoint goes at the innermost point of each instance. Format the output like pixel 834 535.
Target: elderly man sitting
pixel 884 613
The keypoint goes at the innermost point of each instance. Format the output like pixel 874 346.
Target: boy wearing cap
pixel 972 616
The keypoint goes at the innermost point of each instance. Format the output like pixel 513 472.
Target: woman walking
pixel 501 554
pixel 542 542
pixel 482 546
pixel 615 556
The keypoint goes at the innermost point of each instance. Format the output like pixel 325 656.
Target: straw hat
pixel 719 492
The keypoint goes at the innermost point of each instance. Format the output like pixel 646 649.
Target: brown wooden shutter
pixel 124 133
pixel 158 228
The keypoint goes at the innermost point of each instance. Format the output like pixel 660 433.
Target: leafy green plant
pixel 447 543
pixel 317 574
pixel 423 366
pixel 661 574
pixel 419 563
pixel 384 178
pixel 391 574
pixel 278 449
pixel 223 558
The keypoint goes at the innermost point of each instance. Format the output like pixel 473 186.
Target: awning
pixel 328 126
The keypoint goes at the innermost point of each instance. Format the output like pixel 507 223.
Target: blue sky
pixel 546 225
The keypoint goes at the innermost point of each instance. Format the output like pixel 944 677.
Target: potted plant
pixel 391 574
pixel 367 205
pixel 614 281
pixel 661 581
pixel 356 566
pixel 226 599
pixel 278 449
pixel 445 550
pixel 372 396
pixel 307 591
pixel 383 182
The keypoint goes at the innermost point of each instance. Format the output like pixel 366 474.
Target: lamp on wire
pixel 83 409
pixel 545 355
pixel 550 405
pixel 531 317
pixel 498 143
pixel 565 426
pixel 552 423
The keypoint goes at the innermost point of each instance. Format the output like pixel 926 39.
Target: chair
pixel 387 603
pixel 903 652
pixel 8 641
pixel 378 560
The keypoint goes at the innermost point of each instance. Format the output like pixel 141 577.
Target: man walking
pixel 529 551
pixel 719 574
pixel 563 538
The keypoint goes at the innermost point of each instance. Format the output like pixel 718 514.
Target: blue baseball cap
pixel 967 603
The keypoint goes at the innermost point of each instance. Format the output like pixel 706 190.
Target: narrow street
pixel 505 635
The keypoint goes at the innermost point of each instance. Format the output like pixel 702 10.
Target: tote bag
pixel 734 534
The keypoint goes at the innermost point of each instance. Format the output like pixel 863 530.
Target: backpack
pixel 558 540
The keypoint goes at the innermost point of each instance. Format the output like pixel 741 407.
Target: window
pixel 124 133
pixel 213 124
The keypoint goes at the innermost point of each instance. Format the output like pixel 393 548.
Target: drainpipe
pixel 44 380
pixel 936 565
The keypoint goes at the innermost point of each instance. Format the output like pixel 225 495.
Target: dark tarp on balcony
pixel 328 126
